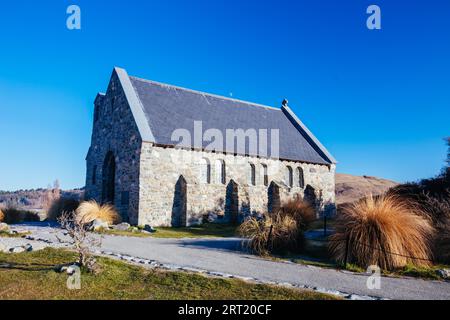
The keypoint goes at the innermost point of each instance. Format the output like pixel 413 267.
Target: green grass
pixel 420 272
pixel 32 276
pixel 206 230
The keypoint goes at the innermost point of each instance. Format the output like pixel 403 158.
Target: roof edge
pixel 293 118
pixel 135 105
pixel 217 96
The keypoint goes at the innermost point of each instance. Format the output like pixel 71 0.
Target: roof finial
pixel 285 103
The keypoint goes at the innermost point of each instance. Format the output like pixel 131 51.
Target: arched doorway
pixel 179 209
pixel 109 178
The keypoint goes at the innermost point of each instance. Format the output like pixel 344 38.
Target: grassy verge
pixel 429 273
pixel 32 276
pixel 207 230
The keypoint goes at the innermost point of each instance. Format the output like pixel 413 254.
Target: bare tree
pixel 52 194
pixel 80 239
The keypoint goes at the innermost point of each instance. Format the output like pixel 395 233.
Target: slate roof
pixel 167 108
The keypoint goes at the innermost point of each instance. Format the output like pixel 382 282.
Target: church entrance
pixel 109 178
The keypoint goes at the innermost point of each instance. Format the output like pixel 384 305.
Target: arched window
pixel 220 172
pixel 301 178
pixel 289 177
pixel 264 174
pixel 251 174
pixel 205 171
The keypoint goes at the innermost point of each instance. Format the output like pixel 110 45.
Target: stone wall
pixel 161 169
pixel 115 131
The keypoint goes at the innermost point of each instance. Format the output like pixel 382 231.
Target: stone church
pixel 169 156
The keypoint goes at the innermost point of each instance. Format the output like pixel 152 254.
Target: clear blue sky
pixel 378 100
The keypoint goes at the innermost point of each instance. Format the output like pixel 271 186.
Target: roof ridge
pixel 205 93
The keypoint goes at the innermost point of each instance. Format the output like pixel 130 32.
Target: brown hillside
pixel 351 188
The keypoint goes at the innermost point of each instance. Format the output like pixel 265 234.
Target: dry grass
pixel 280 232
pixel 60 206
pixel 89 211
pixel 301 211
pixel 283 236
pixel 436 209
pixel 379 226
pixel 2 215
pixel 13 215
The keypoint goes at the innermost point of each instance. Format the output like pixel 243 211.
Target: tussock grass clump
pixel 301 211
pixel 376 228
pixel 2 216
pixel 13 216
pixel 279 232
pixel 283 236
pixel 436 209
pixel 61 205
pixel 89 211
pixel 442 246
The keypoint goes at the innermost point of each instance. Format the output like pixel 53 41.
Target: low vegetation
pixel 206 230
pixel 89 211
pixel 281 231
pixel 80 240
pixel 33 276
pixel 61 205
pixel 13 216
pixel 382 231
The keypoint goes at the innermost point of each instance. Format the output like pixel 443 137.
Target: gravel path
pixel 225 257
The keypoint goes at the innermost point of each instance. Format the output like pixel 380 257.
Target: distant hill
pixel 350 188
pixel 33 199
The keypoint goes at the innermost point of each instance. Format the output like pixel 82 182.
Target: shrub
pixel 439 210
pixel 279 232
pixel 13 215
pixel 385 230
pixel 301 211
pixel 89 211
pixel 60 206
pixel 283 236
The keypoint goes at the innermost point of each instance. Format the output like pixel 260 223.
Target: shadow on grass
pixel 30 266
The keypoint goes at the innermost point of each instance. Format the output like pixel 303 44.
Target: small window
pixel 301 178
pixel 251 175
pixel 289 177
pixel 265 174
pixel 94 175
pixel 205 171
pixel 220 172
